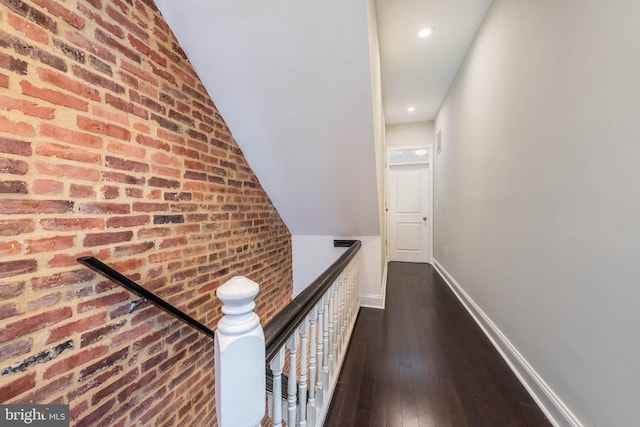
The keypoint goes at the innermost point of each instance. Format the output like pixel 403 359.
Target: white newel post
pixel 239 357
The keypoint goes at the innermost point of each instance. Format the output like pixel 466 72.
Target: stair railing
pixel 308 339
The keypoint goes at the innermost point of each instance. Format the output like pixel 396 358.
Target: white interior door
pixel 408 215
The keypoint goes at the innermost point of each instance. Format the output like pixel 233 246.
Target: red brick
pixel 126 106
pixel 16 227
pixel 96 126
pixel 4 80
pixel 33 323
pixel 114 386
pixel 188 79
pixel 112 43
pixel 30 30
pixel 81 191
pixel 14 167
pixel 109 115
pixel 49 390
pixel 99 239
pixel 63 82
pixel 13 187
pixel 70 136
pixel 57 9
pixel 16 128
pixel 10 63
pixel 14 268
pixel 116 30
pixel 96 79
pixel 154 143
pixel 128 221
pixel 27 107
pixel 123 178
pixel 100 66
pixel 157 408
pixel 47 186
pixel 129 335
pixel 18 386
pixel 53 96
pixel 102 301
pixel 126 150
pixel 68 224
pixel 48 244
pixel 67 171
pixel 77 359
pixel 15 348
pixel 65 278
pixel 80 41
pixel 142 382
pixel 65 331
pixel 45 301
pixel 136 71
pixel 70 260
pixel 96 414
pixel 112 359
pixel 146 102
pixel 122 20
pixel 67 152
pixel 9 310
pixel 150 207
pixel 98 334
pixel 110 192
pixel 104 208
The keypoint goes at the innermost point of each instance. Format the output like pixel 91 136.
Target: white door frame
pixel 387 170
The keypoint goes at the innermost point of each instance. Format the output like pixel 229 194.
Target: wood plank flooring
pixel 423 361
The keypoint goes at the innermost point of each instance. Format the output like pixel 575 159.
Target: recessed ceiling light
pixel 425 32
pixel 411 109
pixel 420 152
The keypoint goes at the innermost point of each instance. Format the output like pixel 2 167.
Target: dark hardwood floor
pixel 423 361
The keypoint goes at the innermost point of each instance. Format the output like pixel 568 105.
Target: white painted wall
pixel 538 194
pixel 379 127
pixel 410 134
pixel 293 82
pixel 313 254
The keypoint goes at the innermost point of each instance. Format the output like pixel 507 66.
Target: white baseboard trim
pixel 376 301
pixel 555 410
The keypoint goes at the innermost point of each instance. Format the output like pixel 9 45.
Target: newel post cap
pixel 237 296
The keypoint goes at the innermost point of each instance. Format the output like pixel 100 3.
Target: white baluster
pixel 348 298
pixel 320 381
pixel 239 356
pixel 311 407
pixel 292 346
pixel 276 365
pixel 332 332
pixel 339 313
pixel 325 343
pixel 344 308
pixel 302 382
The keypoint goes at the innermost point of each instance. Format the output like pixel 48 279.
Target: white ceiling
pixel 418 72
pixel 292 80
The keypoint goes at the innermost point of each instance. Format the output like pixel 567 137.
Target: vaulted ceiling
pixel 293 81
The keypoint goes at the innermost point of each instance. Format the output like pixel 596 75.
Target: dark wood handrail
pixel 124 281
pixel 283 324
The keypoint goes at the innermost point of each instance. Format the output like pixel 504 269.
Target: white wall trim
pixel 376 301
pixel 555 410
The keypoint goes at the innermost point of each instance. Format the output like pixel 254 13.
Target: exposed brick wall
pixel 111 147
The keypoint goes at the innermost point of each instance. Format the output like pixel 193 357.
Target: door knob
pixel 424 218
